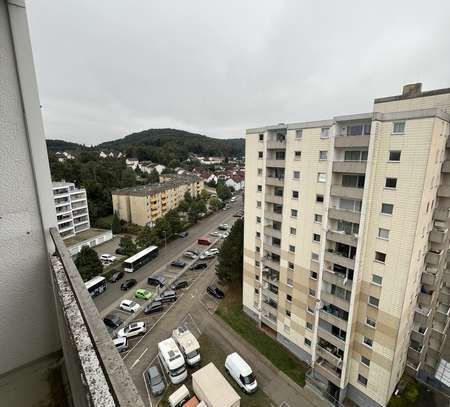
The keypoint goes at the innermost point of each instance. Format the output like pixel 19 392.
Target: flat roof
pixel 61 184
pixel 435 92
pixel 150 189
pixel 84 235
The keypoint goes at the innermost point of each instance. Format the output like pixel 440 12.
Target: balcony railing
pixel 95 371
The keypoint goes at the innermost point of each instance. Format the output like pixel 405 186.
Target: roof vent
pixel 413 89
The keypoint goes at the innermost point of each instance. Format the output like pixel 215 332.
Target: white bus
pixel 135 262
pixel 172 360
pixel 96 285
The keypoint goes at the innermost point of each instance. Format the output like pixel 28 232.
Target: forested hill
pixel 160 145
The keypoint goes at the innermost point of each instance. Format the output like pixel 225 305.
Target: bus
pixel 172 361
pixel 139 259
pixel 96 285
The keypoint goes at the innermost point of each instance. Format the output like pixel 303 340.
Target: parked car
pixel 215 292
pixel 155 306
pixel 134 329
pixel 156 281
pixel 129 306
pixel 155 381
pixel 204 241
pixel 179 285
pixel 224 235
pixel 178 263
pixel 223 226
pixel 183 234
pixel 213 251
pixel 121 343
pixel 121 251
pixel 198 266
pixel 167 296
pixel 191 254
pixel 206 255
pixel 127 284
pixel 237 215
pixel 108 257
pixel 116 276
pixel 113 321
pixel 216 233
pixel 233 199
pixel 143 294
pixel 241 372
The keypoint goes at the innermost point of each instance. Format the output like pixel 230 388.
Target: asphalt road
pixel 174 249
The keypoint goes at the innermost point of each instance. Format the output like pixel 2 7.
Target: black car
pixel 156 281
pixel 127 284
pixel 121 251
pixel 198 266
pixel 183 234
pixel 179 285
pixel 113 321
pixel 167 296
pixel 178 263
pixel 215 292
pixel 116 276
pixel 155 306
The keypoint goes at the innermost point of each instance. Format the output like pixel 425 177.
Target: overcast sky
pixel 109 68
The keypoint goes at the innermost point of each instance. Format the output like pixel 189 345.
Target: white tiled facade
pixel 71 209
pixel 346 239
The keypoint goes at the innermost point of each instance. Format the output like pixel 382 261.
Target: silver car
pixel 121 343
pixel 155 381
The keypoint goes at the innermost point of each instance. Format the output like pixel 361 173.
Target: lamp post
pixel 165 239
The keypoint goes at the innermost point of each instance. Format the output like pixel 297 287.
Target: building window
pixel 314 257
pixel 290 265
pixel 380 257
pixel 290 282
pixel 310 309
pixel 367 341
pixel 288 313
pixel 374 301
pixel 365 361
pixel 260 154
pixel 313 275
pixel 261 137
pixel 377 279
pixel 309 326
pixel 325 132
pixel 394 155
pixel 355 155
pixel 256 291
pixel 294 213
pixel 371 322
pixel 259 188
pixel 312 292
pixel 362 380
pixel 256 277
pixel 299 134
pixel 258 235
pixel 323 155
pixel 293 231
pixel 288 298
pixel 321 177
pixel 387 209
pixel 258 219
pixel 257 263
pixel 258 204
pixel 296 175
pixel 258 249
pixel 316 237
pixel 398 128
pixel 319 198
pixel 383 233
pixel 292 248
pixel 294 194
pixel 307 342
pixel 259 171
pixel 297 155
pixel 391 183
pixel 317 218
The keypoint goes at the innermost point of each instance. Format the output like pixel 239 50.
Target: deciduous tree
pixel 88 263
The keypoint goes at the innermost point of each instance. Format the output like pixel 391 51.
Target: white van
pixel 179 397
pixel 241 372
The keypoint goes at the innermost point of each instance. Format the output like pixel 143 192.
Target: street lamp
pixel 165 239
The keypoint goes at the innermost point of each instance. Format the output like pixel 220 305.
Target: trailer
pixel 213 389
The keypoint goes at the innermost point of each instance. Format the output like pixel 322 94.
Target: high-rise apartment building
pixel 72 210
pixel 346 241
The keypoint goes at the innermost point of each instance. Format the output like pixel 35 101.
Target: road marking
pixel 145 382
pixel 196 326
pixel 139 358
pixel 284 404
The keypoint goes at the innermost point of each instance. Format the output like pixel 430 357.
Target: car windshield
pixel 249 379
pixel 178 371
pixel 192 354
pixel 131 304
pixel 154 380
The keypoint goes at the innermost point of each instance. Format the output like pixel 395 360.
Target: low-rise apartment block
pixel 71 209
pixel 346 242
pixel 143 205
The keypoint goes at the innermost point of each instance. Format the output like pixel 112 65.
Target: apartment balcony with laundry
pixel 276 139
pixel 340 254
pixel 350 186
pixel 344 209
pixel 343 232
pixel 352 135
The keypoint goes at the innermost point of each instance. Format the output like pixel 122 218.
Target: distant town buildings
pixel 63 156
pixel 71 209
pixel 143 205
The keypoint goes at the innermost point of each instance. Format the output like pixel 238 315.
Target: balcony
pixel 327 370
pixel 351 141
pixel 347 192
pixel 442 313
pixel 270 293
pixel 444 296
pixel 333 319
pixel 344 214
pixel 426 296
pixel 337 278
pixel 95 371
pixel 419 333
pixel 276 199
pixel 444 191
pixel 329 337
pixel 330 354
pixel 429 278
pixel 276 163
pixel 272 247
pixel 269 319
pixel 338 258
pixel 274 216
pixel 270 231
pixel 442 214
pixel 275 181
pixel 438 235
pixel 342 237
pixel 415 353
pixel 276 142
pixel 350 167
pixel 335 300
pixel 270 275
pixel 446 166
pixel 434 257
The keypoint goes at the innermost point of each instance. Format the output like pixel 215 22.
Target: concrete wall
pixel 26 203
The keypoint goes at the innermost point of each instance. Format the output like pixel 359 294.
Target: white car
pixel 206 255
pixel 215 233
pixel 129 306
pixel 224 235
pixel 190 254
pixel 121 343
pixel 223 226
pixel 134 329
pixel 233 199
pixel 108 257
pixel 213 251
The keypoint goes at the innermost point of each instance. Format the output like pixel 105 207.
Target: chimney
pixel 413 89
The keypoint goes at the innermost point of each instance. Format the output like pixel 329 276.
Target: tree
pixel 215 203
pixel 231 253
pixel 127 244
pixel 116 228
pixel 174 221
pixel 147 237
pixel 88 263
pixel 223 192
pixel 204 195
pixel 153 177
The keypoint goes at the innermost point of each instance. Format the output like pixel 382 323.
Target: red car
pixel 204 241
